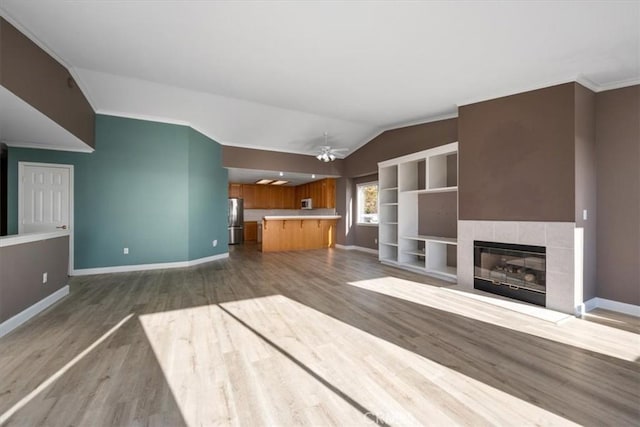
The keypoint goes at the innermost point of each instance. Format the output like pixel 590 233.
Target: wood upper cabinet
pixel 290 200
pixel 329 193
pixel 322 192
pixel 249 196
pixel 262 200
pixel 303 191
pixel 235 190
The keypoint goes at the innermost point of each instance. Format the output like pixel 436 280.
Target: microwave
pixel 306 204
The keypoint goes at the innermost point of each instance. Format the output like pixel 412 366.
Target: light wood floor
pixel 326 337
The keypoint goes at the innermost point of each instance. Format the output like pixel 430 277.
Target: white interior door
pixel 44 198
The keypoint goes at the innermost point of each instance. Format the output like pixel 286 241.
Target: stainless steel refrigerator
pixel 236 221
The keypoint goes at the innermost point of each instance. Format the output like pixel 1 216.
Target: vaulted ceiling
pixel 277 75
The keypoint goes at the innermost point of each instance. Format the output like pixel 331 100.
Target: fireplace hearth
pixel 514 271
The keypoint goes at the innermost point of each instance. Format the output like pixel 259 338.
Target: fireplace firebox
pixel 514 271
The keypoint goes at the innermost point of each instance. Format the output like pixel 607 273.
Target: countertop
pixel 297 217
pixel 16 239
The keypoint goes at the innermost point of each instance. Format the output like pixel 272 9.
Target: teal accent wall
pixel 208 193
pixel 138 190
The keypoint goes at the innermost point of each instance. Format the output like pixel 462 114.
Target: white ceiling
pixel 276 75
pixel 22 125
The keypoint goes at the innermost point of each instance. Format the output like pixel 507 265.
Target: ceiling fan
pixel 328 154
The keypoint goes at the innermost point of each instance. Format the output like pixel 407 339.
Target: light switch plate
pixel 584 214
pixel 125 251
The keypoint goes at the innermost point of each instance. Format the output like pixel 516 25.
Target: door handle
pixel 64 227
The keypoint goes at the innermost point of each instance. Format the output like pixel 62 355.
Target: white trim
pixel 356 248
pixel 26 314
pixel 615 85
pixel 18 239
pixel 33 145
pixel 617 306
pixel 144 267
pixel 584 81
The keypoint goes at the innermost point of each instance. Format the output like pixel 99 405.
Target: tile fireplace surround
pixel 562 240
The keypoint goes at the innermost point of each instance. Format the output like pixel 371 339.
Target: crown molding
pixel 34 145
pixel 581 79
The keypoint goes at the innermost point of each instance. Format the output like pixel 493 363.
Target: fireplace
pixel 514 271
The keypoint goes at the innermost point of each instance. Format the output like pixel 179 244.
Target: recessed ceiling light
pixel 279 182
pixel 265 181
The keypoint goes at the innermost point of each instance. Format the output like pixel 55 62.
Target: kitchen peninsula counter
pixel 300 232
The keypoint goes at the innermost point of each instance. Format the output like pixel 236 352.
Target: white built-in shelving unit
pixel 401 181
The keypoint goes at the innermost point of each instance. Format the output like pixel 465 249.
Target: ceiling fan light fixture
pixel 326 153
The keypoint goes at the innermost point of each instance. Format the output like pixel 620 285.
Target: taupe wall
pixel 516 157
pixel 22 267
pixel 37 78
pixel 247 158
pixel 363 235
pixel 399 142
pixel 618 189
pixel 585 179
pixel 344 193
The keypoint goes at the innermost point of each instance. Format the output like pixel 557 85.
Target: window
pixel 367 197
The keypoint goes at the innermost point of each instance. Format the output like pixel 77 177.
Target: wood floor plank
pixel 326 337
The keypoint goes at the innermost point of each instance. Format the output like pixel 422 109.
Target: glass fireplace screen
pixel 514 267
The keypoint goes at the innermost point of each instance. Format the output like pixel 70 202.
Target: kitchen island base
pixel 298 233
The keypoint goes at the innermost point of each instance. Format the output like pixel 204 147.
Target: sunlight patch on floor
pixel 594 337
pixel 301 366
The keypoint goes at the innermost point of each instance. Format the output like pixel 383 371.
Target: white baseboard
pixel 26 314
pixel 143 267
pixel 607 304
pixel 357 248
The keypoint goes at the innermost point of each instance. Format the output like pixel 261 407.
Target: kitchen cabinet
pixel 290 200
pixel 249 196
pixel 250 231
pixel 235 190
pixel 323 193
pixel 293 233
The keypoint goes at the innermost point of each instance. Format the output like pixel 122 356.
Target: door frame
pixel 21 166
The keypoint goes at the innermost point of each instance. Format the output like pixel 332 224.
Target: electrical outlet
pixel 44 278
pixel 375 240
pixel 125 251
pixel 215 243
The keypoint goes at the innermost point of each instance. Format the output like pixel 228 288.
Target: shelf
pixel 418 253
pixel 441 190
pixel 402 183
pixel 414 264
pixel 430 190
pixel 437 239
pixel 447 271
